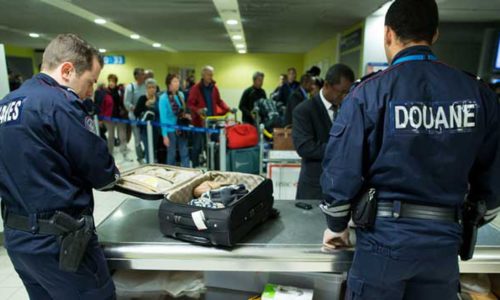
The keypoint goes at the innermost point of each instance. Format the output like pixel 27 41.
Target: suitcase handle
pixel 192 238
pixel 180 220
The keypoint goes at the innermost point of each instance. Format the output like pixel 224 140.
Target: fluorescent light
pixel 100 21
pixel 237 37
pixel 232 22
pixel 242 51
pixel 102 50
pixel 135 36
pixel 240 46
pixel 34 35
pixel 157 45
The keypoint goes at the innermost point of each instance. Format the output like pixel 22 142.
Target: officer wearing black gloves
pixel 409 145
pixel 50 160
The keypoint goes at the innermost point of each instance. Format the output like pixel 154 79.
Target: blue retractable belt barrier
pixel 158 124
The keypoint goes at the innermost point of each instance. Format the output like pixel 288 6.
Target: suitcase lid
pixel 153 181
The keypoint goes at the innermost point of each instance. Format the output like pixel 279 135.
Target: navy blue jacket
pixel 50 159
pixel 419 132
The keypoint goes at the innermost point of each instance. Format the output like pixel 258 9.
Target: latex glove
pixel 335 240
pixel 166 141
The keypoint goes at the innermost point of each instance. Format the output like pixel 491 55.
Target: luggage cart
pixel 217 122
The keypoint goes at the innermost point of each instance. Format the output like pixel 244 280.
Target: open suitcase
pixel 207 226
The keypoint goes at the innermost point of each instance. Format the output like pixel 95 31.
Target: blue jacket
pixel 418 132
pixel 167 116
pixel 50 158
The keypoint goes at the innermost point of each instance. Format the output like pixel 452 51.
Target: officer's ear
pixel 388 36
pixel 67 69
pixel 435 37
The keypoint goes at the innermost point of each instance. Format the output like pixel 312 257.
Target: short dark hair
pixel 292 69
pixel 257 75
pixel 169 78
pixel 306 78
pixel 113 77
pixel 318 82
pixel 137 71
pixel 70 48
pixel 336 72
pixel 413 20
pixel 314 71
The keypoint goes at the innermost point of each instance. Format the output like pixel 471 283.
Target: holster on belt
pixel 473 213
pixel 74 242
pixel 364 211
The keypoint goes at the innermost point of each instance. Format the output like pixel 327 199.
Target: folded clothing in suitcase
pixel 216 226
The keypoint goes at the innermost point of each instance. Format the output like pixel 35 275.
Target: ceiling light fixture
pixel 157 45
pixel 237 37
pixel 232 22
pixel 34 35
pixel 102 50
pixel 100 21
pixel 240 46
pixel 242 51
pixel 135 36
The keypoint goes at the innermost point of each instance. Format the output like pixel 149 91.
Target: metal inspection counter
pixel 291 243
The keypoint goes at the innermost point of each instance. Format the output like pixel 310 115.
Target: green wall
pixel 16 51
pixel 233 72
pixel 324 55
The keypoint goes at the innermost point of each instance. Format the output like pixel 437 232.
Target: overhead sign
pixel 114 60
pixel 351 40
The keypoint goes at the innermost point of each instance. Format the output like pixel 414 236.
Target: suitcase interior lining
pixel 183 194
pixel 129 179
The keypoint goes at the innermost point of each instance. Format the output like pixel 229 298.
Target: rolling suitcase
pixel 244 160
pixel 206 226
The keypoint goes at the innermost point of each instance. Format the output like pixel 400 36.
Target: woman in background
pixel 173 112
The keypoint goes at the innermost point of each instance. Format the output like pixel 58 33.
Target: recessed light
pixel 242 51
pixel 100 21
pixel 135 36
pixel 102 50
pixel 240 46
pixel 34 35
pixel 232 22
pixel 157 45
pixel 237 37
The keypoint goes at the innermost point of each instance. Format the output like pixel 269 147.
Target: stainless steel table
pixel 292 243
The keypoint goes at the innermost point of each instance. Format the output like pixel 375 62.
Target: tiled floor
pixel 11 287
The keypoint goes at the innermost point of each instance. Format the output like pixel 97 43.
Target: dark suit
pixel 311 131
pixel 295 99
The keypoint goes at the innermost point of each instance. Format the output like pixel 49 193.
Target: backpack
pixel 269 113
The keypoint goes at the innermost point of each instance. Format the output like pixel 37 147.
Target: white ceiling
pixel 292 26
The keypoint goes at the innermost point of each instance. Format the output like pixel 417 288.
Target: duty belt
pixel 399 209
pixel 59 224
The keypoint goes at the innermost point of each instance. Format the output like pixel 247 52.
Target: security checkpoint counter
pixel 132 240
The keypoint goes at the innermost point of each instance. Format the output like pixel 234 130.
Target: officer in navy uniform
pixel 415 136
pixel 50 160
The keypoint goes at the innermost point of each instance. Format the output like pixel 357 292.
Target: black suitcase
pixel 207 226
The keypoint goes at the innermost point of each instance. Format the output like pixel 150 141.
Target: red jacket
pixel 107 106
pixel 196 101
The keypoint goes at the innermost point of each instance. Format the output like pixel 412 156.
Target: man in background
pixel 290 86
pixel 312 123
pixel 133 92
pixel 250 95
pixel 204 101
pixel 299 95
